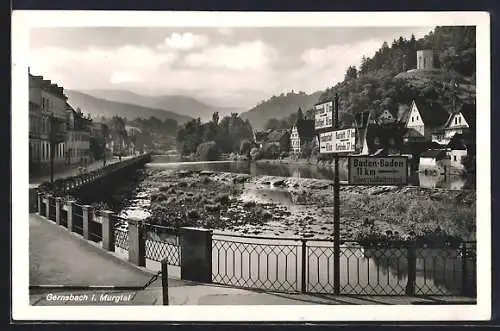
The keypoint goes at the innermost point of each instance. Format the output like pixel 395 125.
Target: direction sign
pixel 340 141
pixel 373 170
pixel 323 115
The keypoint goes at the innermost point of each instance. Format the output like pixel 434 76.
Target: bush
pixel 284 154
pixel 207 151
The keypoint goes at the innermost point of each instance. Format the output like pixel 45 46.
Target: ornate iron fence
pixel 394 268
pixel 95 226
pixel 121 238
pixel 162 243
pixel 239 261
pixel 63 218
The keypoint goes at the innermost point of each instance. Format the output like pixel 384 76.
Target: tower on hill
pixel 425 60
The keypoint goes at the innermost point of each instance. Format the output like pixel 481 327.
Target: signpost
pixel 372 170
pixel 340 141
pixel 323 115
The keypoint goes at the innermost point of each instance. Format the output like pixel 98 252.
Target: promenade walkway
pixel 37 180
pixel 58 257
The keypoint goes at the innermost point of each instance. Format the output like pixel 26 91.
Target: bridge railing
pixel 414 268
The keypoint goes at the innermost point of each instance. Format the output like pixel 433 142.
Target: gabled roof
pixel 431 112
pixel 469 113
pixel 305 128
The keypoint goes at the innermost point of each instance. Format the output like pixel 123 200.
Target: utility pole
pixel 336 206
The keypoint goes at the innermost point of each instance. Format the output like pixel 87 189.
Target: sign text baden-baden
pixel 372 170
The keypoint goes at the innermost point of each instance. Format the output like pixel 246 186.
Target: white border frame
pixel 23 20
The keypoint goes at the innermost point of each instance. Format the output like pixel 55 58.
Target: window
pixel 376 141
pixel 392 142
pixel 412 119
pixel 454 157
pixel 459 119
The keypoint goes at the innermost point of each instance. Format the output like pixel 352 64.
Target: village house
pixel 423 119
pixel 78 140
pixel 461 146
pixel 386 117
pixel 47 124
pixel 461 122
pixel 435 161
pixel 301 134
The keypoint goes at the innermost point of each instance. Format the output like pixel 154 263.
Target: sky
pixel 222 66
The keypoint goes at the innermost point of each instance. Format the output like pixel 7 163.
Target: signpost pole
pixel 336 211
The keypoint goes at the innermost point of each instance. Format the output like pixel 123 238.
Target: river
pixel 452 182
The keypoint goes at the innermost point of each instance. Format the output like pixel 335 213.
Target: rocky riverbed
pixel 292 207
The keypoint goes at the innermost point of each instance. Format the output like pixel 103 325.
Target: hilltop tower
pixel 425 59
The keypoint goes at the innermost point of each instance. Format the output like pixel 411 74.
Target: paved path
pixel 35 181
pixel 58 257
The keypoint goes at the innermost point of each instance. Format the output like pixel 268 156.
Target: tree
pixel 245 147
pixel 351 73
pixel 208 151
pixel 300 115
pixel 272 124
pixel 215 118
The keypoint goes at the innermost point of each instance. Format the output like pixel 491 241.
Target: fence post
pixel 47 206
pixel 196 254
pixel 164 281
pixel 58 210
pixel 33 197
pixel 70 214
pixel 136 242
pixel 108 230
pixel 40 201
pixel 86 219
pixel 303 284
pixel 464 269
pixel 412 269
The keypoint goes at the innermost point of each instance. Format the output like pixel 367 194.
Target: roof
pixel 412 133
pixel 276 135
pixel 431 112
pixel 433 153
pixel 305 128
pixel 469 113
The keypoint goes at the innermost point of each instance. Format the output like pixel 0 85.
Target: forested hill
pixel 279 107
pixel 387 81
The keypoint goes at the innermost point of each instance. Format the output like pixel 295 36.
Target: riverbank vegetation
pixel 247 205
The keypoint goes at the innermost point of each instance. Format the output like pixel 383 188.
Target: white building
pixel 461 122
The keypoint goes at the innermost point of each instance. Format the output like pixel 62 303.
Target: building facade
pixel 461 122
pixel 301 134
pixel 47 124
pixel 78 142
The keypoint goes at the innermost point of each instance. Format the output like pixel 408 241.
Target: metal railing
pixel 162 244
pixel 121 236
pixel 95 225
pixel 302 265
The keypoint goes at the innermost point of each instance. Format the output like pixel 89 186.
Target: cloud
pixel 98 65
pixel 184 41
pixel 254 55
pixel 225 30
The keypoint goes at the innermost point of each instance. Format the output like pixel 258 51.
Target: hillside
pixel 100 107
pixel 179 104
pixel 279 107
pixel 389 80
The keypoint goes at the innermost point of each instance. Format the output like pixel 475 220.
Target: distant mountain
pixel 100 107
pixel 280 107
pixel 180 104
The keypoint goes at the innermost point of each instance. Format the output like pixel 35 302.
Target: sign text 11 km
pixel 372 170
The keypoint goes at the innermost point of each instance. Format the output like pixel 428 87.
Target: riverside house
pixel 301 134
pixel 461 122
pixel 423 119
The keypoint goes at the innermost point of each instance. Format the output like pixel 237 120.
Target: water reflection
pixel 453 182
